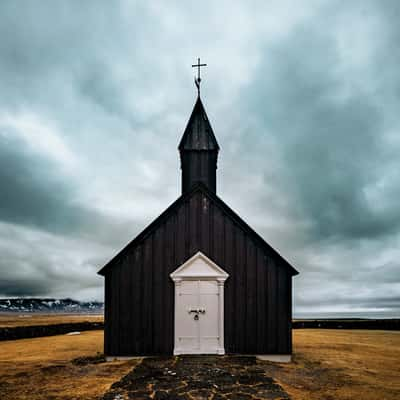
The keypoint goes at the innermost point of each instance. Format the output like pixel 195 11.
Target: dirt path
pixel 197 377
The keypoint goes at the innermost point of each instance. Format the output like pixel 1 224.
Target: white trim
pixel 215 272
pixel 191 271
pixel 221 349
pixel 281 358
pixel 177 283
pixel 218 350
pixel 124 358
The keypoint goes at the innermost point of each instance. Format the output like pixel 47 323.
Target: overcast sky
pixel 303 98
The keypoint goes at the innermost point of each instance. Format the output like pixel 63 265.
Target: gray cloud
pixel 38 263
pixel 331 138
pixel 35 194
pixel 39 195
pixel 303 101
pixel 21 288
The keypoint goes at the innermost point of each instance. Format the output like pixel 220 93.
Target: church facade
pixel 198 279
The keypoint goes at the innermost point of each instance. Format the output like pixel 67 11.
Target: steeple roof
pixel 198 134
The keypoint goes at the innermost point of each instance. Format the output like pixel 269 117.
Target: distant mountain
pixel 50 305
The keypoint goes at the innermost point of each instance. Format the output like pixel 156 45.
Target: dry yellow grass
pixel 41 368
pixel 342 365
pixel 328 365
pixel 10 319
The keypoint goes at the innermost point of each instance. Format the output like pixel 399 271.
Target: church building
pixel 198 279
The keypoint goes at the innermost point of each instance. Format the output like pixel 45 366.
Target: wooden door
pixel 208 316
pixel 196 319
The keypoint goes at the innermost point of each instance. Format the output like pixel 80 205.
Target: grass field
pixel 328 365
pixel 342 364
pixel 14 319
pixel 41 368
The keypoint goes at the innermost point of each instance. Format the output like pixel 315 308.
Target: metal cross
pixel 198 79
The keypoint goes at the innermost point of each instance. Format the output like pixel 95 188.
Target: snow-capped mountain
pixel 49 305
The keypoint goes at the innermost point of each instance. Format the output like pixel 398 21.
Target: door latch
pixel 196 310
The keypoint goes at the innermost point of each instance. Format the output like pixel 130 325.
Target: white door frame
pixel 207 271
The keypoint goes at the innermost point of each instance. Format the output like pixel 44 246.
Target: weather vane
pixel 198 79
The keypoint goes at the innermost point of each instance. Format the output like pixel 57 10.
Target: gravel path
pixel 196 377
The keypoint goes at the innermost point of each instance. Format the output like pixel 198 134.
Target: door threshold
pixel 216 352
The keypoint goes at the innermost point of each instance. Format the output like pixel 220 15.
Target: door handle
pixel 196 310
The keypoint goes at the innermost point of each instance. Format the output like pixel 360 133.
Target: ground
pixel 42 368
pixel 328 364
pixel 341 365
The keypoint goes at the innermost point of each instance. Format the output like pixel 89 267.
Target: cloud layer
pixel 304 102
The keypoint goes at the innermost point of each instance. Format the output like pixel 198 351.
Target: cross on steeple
pixel 198 79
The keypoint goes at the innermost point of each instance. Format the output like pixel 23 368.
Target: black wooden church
pixel 198 279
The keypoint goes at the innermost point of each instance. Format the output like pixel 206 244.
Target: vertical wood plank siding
pixel 107 313
pixel 199 166
pixel 139 294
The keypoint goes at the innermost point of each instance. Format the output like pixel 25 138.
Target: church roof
pixel 199 187
pixel 198 134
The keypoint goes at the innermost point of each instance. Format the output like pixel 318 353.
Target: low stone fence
pixel 381 324
pixel 27 332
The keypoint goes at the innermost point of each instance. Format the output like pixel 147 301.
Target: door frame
pixel 206 271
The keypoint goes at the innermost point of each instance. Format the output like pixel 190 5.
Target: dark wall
pixel 139 294
pixel 199 166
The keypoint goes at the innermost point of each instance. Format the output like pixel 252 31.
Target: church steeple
pixel 198 150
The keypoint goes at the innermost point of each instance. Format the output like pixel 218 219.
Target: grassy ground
pixel 41 368
pixel 328 364
pixel 342 364
pixel 13 319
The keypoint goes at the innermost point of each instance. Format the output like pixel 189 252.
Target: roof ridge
pixel 199 186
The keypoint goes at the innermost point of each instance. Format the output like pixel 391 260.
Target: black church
pixel 198 279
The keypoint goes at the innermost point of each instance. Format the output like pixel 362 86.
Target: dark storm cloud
pixel 38 194
pixel 331 134
pixel 322 125
pixel 25 287
pixel 378 302
pixel 34 263
pixel 62 59
pixel 349 303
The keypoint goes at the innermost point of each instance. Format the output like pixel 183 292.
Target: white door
pixel 197 322
pixel 199 306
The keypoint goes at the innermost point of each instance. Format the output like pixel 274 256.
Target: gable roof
pixel 198 187
pixel 198 134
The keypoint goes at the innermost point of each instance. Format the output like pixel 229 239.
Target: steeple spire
pixel 198 150
pixel 198 134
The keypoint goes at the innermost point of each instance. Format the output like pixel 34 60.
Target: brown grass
pixel 342 364
pixel 328 365
pixel 10 319
pixel 41 368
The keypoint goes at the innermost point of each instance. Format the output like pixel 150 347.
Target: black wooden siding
pixel 199 166
pixel 139 294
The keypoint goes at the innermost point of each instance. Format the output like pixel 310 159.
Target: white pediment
pixel 199 267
